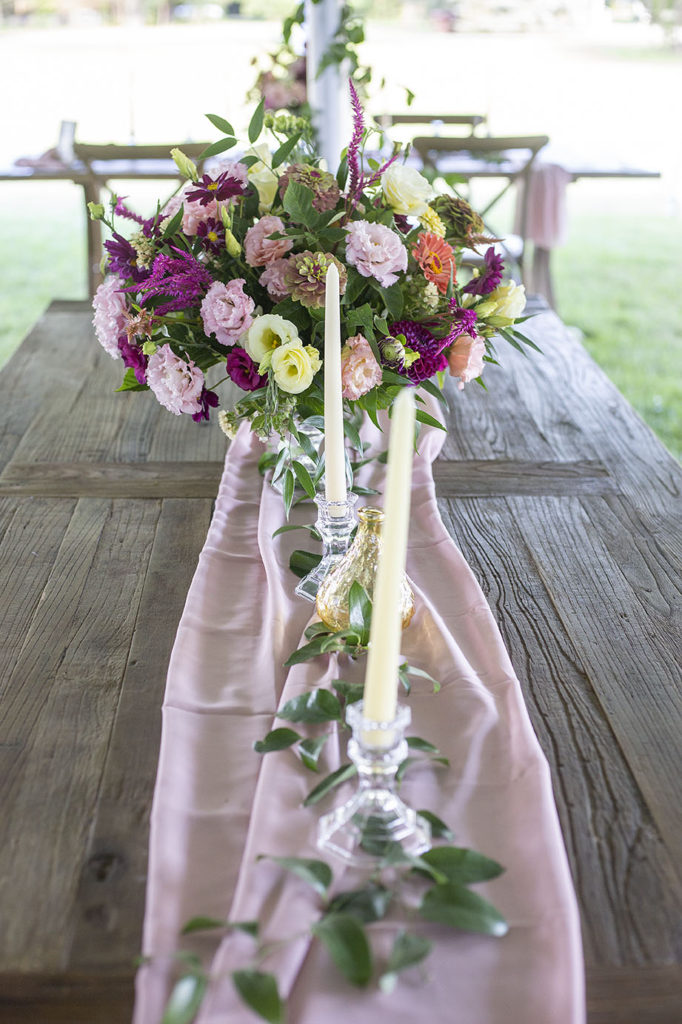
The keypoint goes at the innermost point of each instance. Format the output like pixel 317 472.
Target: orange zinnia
pixel 436 259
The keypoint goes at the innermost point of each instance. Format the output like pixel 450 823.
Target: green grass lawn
pixel 617 279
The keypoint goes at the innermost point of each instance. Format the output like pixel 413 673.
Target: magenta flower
pixel 212 234
pixel 226 311
pixel 123 259
pixel 207 400
pixel 418 339
pixel 243 371
pixel 490 276
pixel 464 320
pixel 375 251
pixel 178 385
pixel 180 279
pixel 133 358
pixel 225 186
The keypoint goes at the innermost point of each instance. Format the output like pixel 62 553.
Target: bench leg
pixel 91 194
pixel 542 274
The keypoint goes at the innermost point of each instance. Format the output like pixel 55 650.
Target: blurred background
pixel 602 80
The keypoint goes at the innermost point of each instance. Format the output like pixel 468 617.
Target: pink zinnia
pixel 360 371
pixel 274 279
pixel 260 250
pixel 226 311
pixel 375 251
pixel 177 385
pixel 110 317
pixel 465 359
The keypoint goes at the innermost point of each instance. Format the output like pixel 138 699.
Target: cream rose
pixel 263 176
pixel 503 305
pixel 294 366
pixel 267 333
pixel 406 190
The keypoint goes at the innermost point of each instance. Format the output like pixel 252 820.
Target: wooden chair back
pixel 89 152
pixel 470 121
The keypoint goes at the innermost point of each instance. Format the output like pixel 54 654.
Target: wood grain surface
pixel 569 512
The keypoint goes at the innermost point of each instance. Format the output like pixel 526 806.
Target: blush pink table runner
pixel 218 804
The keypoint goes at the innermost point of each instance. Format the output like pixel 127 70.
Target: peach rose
pixel 360 371
pixel 465 359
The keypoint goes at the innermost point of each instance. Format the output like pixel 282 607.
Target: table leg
pixel 91 194
pixel 542 274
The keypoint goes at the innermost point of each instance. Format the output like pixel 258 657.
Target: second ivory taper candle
pixel 335 463
pixel 381 679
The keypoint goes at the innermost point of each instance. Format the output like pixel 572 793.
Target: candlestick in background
pixel 381 680
pixel 334 450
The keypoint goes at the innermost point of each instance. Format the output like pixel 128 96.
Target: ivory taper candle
pixel 381 679
pixel 335 464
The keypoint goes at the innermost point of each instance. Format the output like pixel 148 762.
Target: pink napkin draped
pixel 546 220
pixel 218 804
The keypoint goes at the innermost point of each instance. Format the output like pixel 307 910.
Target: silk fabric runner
pixel 218 805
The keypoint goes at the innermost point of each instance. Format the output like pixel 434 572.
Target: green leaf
pixel 294 526
pixel 280 155
pixel 420 674
pixel 174 223
pixel 131 383
pixel 217 147
pixel 278 739
pixel 351 432
pixel 368 904
pixel 434 391
pixel 266 462
pixel 303 562
pixel 185 999
pixel 288 491
pixel 310 751
pixel 461 865
pixel 359 611
pixel 355 286
pixel 256 122
pixel 341 775
pixel 351 692
pixel 439 830
pixel 316 873
pixel 303 477
pixel 259 991
pixel 315 629
pixel 408 950
pixel 459 907
pixel 221 124
pixel 346 943
pixel 417 743
pixel 393 299
pixel 315 706
pixel 298 203
pixel 201 924
pixel 431 421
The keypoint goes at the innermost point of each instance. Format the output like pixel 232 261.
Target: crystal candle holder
pixel 362 830
pixel 335 524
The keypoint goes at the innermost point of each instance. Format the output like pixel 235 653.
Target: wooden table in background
pixel 566 507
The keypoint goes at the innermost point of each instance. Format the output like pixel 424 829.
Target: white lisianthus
pixel 262 175
pixel 266 333
pixel 504 304
pixel 295 365
pixel 406 190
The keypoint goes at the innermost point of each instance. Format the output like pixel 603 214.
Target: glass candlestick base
pixel 335 524
pixel 366 827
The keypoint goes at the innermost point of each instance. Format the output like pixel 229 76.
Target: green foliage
pixel 408 950
pixel 185 999
pixel 316 873
pixel 347 944
pixel 259 991
pixel 459 907
pixel 278 739
pixel 331 782
pixel 315 706
pixel 369 903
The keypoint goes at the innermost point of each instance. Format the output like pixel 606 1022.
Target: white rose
pixel 263 176
pixel 406 190
pixel 509 303
pixel 295 365
pixel 267 333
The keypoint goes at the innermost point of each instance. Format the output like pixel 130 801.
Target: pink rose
pixel 110 317
pixel 226 311
pixel 260 250
pixel 273 278
pixel 375 251
pixel 360 371
pixel 465 359
pixel 177 385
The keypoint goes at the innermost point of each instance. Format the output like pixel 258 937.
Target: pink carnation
pixel 110 314
pixel 375 251
pixel 195 214
pixel 260 250
pixel 177 385
pixel 465 359
pixel 360 371
pixel 273 278
pixel 226 311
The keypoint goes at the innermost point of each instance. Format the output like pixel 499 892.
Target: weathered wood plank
pixel 60 705
pixel 67 998
pixel 110 899
pixel 624 877
pixel 490 477
pixel 629 650
pixel 647 995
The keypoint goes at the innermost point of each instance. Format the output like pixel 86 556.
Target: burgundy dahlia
pixel 419 339
pixel 243 371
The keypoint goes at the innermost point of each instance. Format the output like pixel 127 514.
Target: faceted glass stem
pixel 363 829
pixel 335 524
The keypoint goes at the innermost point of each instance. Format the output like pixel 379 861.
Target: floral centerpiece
pixel 230 274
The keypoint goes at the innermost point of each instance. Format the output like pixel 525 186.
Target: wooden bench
pixel 566 507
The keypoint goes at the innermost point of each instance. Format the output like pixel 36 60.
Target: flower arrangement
pixel 230 274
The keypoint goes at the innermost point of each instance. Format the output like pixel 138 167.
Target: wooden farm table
pixel 566 507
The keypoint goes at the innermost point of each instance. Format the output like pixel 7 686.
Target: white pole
pixel 328 94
